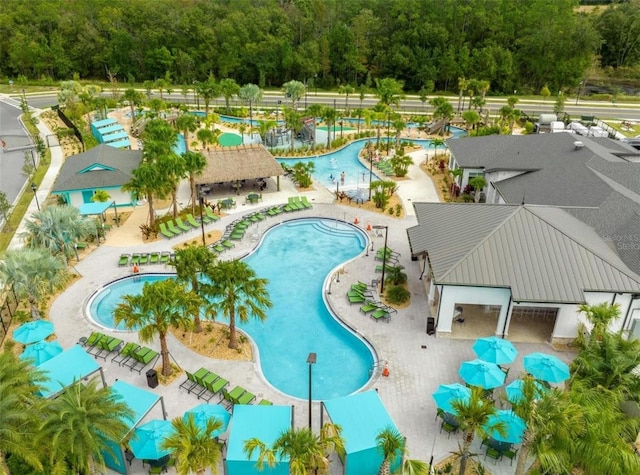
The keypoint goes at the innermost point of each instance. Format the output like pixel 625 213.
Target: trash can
pixel 431 326
pixel 152 378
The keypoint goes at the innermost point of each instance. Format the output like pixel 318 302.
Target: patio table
pixel 228 203
pixel 253 197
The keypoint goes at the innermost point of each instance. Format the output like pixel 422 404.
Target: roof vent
pixel 578 145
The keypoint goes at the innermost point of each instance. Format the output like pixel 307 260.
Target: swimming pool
pixel 296 257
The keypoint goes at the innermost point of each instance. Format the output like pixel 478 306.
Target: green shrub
pixel 397 295
pixel 398 209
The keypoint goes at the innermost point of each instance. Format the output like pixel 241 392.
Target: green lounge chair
pixel 388 268
pixel 154 258
pixel 294 204
pixel 356 299
pixel 93 339
pixel 181 225
pixel 192 221
pixel 107 346
pixel 211 215
pixel 165 232
pixel 171 226
pixel 305 202
pixel 356 293
pixel 264 402
pixel 276 210
pixel 369 306
pixel 81 245
pixel 213 387
pixel 144 258
pixel 232 396
pixel 198 376
pixel 125 353
pixel 381 314
pixel 135 259
pixel 218 248
pixel 237 235
pixel 228 244
pixel 124 260
pixel 246 398
pixel 165 257
pixel 188 383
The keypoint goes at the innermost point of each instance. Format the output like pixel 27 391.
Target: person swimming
pixel 332 178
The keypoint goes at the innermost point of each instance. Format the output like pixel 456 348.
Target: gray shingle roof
pixel 543 254
pixel 120 162
pixel 558 173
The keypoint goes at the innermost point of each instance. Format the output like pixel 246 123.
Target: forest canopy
pixel 426 44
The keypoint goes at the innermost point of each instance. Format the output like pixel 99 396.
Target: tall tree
pixel 161 305
pixel 190 263
pixel 250 94
pixel 187 123
pixel 393 445
pixel 81 424
pixel 135 99
pixel 208 90
pixel 294 90
pixel 236 291
pixel 195 449
pixel 33 274
pixel 228 88
pixel 347 90
pixel 600 316
pixel 194 165
pixel 329 116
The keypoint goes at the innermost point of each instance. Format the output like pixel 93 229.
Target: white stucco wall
pixel 451 296
pixel 494 177
pixel 625 302
pixel 121 198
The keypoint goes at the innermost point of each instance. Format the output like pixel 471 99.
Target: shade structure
pixel 447 393
pixel 205 412
pixel 482 374
pixel 147 439
pixel 514 390
pixel 41 351
pixel 546 367
pixel 32 332
pixel 495 350
pixel 514 426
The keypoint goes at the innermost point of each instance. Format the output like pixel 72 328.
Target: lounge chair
pixel 192 221
pixel 369 306
pixel 144 258
pixel 213 387
pixel 125 353
pixel 228 244
pixel 295 204
pixel 107 346
pixel 381 314
pixel 154 258
pixel 245 398
pixel 165 257
pixel 181 225
pixel 211 215
pixel 365 292
pixel 276 210
pixel 232 396
pixel 171 226
pixel 124 260
pixel 356 299
pixel 194 381
pixel 188 383
pixel 218 248
pixel 305 202
pixel 135 259
pixel 264 402
pixel 165 232
pixel 141 358
pixel 388 268
pixel 92 340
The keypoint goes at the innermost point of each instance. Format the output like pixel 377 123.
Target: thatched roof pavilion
pixel 246 162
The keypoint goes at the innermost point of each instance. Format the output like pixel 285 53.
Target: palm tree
pixel 250 94
pixel 229 88
pixel 134 98
pixel 473 417
pixel 195 448
pixel 57 229
pixel 208 90
pixel 478 183
pixel 393 445
pixel 600 316
pixel 162 304
pixel 329 116
pixel 33 274
pixel 264 126
pixel 347 90
pixel 149 181
pixel 194 164
pixel 187 123
pixel 19 410
pixel 389 91
pixel 442 110
pixel 462 86
pixel 235 290
pixel 100 196
pixel 190 262
pixel 436 144
pixel 471 119
pixel 207 137
pixel 81 424
pixel 174 168
pixel 293 119
pixel 305 450
pixel 294 90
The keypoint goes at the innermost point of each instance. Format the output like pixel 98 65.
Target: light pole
pixel 579 90
pixel 388 127
pixel 201 199
pixel 311 360
pixel 370 170
pixel 34 188
pixel 315 84
pixel 384 255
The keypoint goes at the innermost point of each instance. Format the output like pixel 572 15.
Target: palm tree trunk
pixel 167 370
pixel 385 468
pixel 523 455
pixel 186 140
pixel 467 438
pixel 192 187
pixel 174 201
pixel 33 308
pixel 233 337
pixel 152 213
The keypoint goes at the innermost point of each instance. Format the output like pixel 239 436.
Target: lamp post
pixel 388 127
pixel 370 170
pixel 34 188
pixel 201 199
pixel 315 83
pixel 384 254
pixel 579 90
pixel 311 360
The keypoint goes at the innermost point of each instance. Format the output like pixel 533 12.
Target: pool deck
pixel 417 363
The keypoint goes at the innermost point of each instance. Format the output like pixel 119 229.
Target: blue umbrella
pixel 514 426
pixel 32 332
pixel 546 367
pixel 495 350
pixel 147 439
pixel 41 352
pixel 205 412
pixel 446 393
pixel 514 390
pixel 482 373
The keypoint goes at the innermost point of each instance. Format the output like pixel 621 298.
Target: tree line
pixel 426 44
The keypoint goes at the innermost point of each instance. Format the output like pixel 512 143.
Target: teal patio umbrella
pixel 447 393
pixel 514 426
pixel 32 332
pixel 546 367
pixel 514 390
pixel 41 351
pixel 482 374
pixel 147 439
pixel 205 412
pixel 495 350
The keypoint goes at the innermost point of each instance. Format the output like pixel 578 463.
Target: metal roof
pixel 543 254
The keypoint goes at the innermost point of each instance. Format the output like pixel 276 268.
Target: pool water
pixel 296 257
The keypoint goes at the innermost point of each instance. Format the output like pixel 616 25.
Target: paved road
pixel 13 133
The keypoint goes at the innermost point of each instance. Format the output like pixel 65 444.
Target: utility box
pixel 152 378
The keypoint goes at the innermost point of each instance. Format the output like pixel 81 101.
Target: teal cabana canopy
pixel 141 402
pixel 97 208
pixel 120 144
pixel 362 417
pixel 69 366
pixel 263 422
